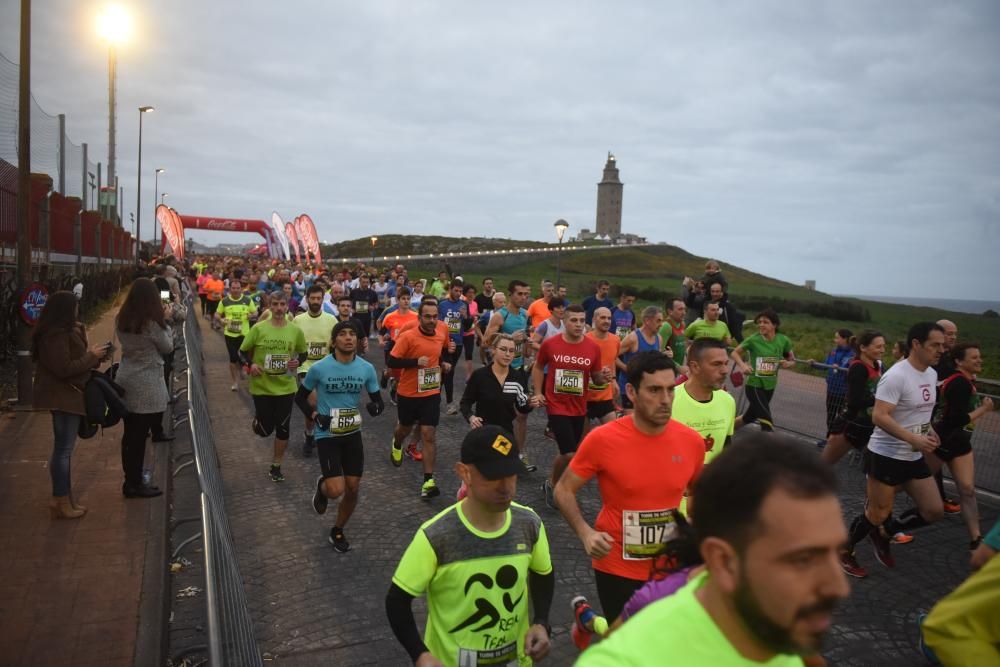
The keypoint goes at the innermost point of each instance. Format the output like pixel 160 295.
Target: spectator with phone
pixel 145 337
pixel 63 361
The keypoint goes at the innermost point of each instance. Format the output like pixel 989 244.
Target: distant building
pixel 609 200
pixel 811 284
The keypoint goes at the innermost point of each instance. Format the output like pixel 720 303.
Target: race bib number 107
pixel 645 532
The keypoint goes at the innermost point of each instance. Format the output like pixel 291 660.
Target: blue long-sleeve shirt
pixel 836 381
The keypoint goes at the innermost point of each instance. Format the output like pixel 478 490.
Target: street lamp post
pixel 374 239
pixel 561 226
pixel 156 196
pixel 138 189
pixel 113 25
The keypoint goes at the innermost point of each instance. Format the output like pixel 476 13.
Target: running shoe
pixel 902 538
pixel 413 452
pixel 924 648
pixel 233 388
pixel 319 498
pixel 339 542
pixel 452 409
pixel 548 433
pixel 462 492
pixel 308 445
pixel 851 566
pixel 581 635
pixel 550 499
pixel 396 454
pixel 952 506
pixel 530 467
pixel 429 490
pixel 881 547
pixel 276 475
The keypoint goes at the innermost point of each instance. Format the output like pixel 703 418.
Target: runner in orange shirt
pixel 538 311
pixel 601 398
pixel 418 353
pixel 215 289
pixel 644 464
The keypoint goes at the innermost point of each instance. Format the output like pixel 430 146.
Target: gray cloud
pixel 849 142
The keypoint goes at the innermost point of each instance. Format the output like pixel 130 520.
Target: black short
pixel 424 409
pixel 212 307
pixel 856 434
pixel 613 592
pixel 274 413
pixel 468 344
pixel 233 347
pixel 954 444
pixel 893 472
pixel 342 455
pixel 568 431
pixel 597 409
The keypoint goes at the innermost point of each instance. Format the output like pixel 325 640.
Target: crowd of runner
pixel 740 562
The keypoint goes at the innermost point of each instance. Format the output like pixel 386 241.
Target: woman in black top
pixel 497 392
pixel 959 406
pixel 853 426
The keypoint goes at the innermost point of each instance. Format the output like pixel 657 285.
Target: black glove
pixel 324 421
pixel 375 408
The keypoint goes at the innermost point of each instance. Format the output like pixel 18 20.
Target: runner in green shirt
pixel 478 562
pixel 768 351
pixel 709 326
pixel 672 333
pixel 770 529
pixel 235 312
pixel 273 350
pixel 316 325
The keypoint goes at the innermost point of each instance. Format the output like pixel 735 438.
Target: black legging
pixel 449 377
pixel 137 428
pixel 759 407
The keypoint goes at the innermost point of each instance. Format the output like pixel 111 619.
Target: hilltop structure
pixel 609 209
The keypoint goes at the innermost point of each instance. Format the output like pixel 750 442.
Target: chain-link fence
pixel 231 639
pixel 801 403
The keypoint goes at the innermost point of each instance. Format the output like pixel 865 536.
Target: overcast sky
pixel 854 143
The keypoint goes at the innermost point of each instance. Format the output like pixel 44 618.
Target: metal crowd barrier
pixel 231 639
pixel 799 406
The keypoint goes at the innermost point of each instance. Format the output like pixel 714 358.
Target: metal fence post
pixel 62 154
pixel 78 237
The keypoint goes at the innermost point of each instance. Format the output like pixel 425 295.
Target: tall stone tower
pixel 609 200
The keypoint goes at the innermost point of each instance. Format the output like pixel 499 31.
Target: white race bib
pixel 645 532
pixel 505 656
pixel 316 350
pixel 360 306
pixel 428 379
pixel 276 364
pixel 235 326
pixel 767 366
pixel 568 381
pixel 344 421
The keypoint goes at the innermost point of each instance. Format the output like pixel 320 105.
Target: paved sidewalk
pixel 70 591
pixel 312 606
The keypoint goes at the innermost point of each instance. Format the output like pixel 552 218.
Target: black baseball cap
pixel 492 450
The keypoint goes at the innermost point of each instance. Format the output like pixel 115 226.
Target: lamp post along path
pixel 561 227
pixel 374 240
pixel 156 197
pixel 138 188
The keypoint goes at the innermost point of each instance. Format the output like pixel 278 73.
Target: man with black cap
pixel 478 562
pixel 338 380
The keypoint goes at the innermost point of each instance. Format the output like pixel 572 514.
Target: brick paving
pixel 70 590
pixel 312 606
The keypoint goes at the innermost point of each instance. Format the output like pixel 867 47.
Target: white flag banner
pixel 278 225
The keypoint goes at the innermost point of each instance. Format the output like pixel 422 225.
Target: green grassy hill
pixel 658 270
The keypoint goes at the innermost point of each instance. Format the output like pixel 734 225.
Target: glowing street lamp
pixel 114 25
pixel 561 227
pixel 373 239
pixel 138 188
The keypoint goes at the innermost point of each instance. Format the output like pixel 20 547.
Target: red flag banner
pixel 312 238
pixel 179 227
pixel 293 239
pixel 170 230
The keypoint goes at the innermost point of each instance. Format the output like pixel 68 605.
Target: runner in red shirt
pixel 644 464
pixel 566 364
